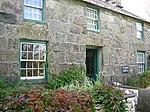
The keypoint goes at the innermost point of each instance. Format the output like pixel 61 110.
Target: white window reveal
pixel 141 62
pixel 139 28
pixel 92 19
pixel 33 9
pixel 33 59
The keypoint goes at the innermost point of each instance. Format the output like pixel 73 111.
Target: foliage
pixel 7 86
pixel 110 97
pixel 140 80
pixel 86 84
pixel 42 100
pixel 66 77
pixel 3 86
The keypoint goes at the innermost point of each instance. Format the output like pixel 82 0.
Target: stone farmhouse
pixel 41 36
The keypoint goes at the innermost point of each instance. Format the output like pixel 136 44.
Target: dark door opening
pixel 91 63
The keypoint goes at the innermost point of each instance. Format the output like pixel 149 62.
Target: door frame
pixel 95 50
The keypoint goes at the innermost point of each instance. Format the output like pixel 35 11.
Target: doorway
pixel 92 62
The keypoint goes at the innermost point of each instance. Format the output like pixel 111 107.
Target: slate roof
pixel 109 6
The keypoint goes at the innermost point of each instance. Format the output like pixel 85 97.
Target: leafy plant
pixel 86 84
pixel 41 100
pixel 66 77
pixel 7 86
pixel 111 98
pixel 139 80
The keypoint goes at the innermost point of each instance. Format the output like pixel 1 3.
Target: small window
pixel 33 9
pixel 139 29
pixel 92 19
pixel 32 60
pixel 141 61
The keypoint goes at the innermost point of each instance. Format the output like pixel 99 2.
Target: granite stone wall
pixel 64 28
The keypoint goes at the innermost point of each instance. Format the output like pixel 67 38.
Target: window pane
pixel 139 26
pixel 26 1
pixel 42 47
pixel 24 55
pixel 40 3
pixel 24 47
pixel 23 73
pixel 35 3
pixel 36 47
pixel 41 65
pixel 25 14
pixel 35 72
pixel 30 55
pixel 139 35
pixel 30 2
pixel 42 55
pixel 36 55
pixel 41 72
pixel 29 64
pixel 23 64
pixel 30 47
pixel 29 72
pixel 35 64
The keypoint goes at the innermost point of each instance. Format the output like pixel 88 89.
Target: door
pixel 91 63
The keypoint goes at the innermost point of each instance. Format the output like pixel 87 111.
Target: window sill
pixel 97 31
pixel 142 39
pixel 32 20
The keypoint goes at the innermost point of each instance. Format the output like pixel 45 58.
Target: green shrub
pixel 7 86
pixel 66 77
pixel 44 100
pixel 3 86
pixel 86 84
pixel 139 80
pixel 111 98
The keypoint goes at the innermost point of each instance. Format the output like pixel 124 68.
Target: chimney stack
pixel 116 3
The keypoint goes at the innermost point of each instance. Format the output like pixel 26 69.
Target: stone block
pixel 80 20
pixel 59 37
pixel 3 68
pixel 2 29
pixel 144 100
pixel 56 25
pixel 3 43
pixel 65 47
pixel 75 29
pixel 11 7
pixel 8 18
pixel 71 38
pixel 57 57
pixel 12 69
pixel 82 48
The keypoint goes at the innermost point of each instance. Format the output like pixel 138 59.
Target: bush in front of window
pixel 66 77
pixel 139 80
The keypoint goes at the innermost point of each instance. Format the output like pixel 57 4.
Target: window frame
pixel 38 78
pixel 141 64
pixel 93 19
pixel 34 7
pixel 139 30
